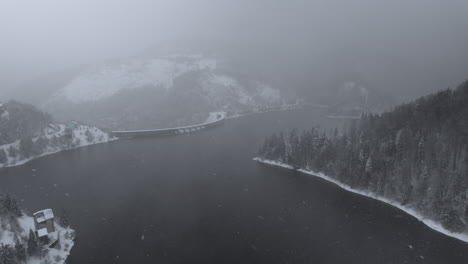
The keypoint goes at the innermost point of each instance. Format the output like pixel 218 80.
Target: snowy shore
pixel 81 136
pixel 285 107
pixel 428 222
pixel 58 254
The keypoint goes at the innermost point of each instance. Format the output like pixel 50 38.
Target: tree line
pixel 35 133
pixel 416 154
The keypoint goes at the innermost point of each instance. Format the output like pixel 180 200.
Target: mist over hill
pixel 155 92
pixel 405 49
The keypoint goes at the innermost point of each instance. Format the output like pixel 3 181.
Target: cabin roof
pixel 46 215
pixel 42 232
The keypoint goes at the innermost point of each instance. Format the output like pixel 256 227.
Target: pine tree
pixel 368 168
pixel 15 209
pixel 33 244
pixel 3 156
pixel 6 203
pixel 424 171
pixel 7 254
pixel 421 150
pixel 20 252
pixel 26 147
pixel 68 132
pixel 293 150
pixel 54 141
pixel 9 205
pixel 12 152
pixel 399 141
pixel 89 136
pixel 41 144
pixel 64 221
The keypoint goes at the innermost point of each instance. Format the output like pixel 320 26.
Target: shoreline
pixel 47 153
pixel 428 222
pixel 283 108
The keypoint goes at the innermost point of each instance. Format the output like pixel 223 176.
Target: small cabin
pixel 44 223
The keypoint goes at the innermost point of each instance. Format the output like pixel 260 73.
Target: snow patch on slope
pixel 267 93
pixel 104 81
pixel 224 91
pixel 215 116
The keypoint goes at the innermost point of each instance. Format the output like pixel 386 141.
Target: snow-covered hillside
pixel 158 92
pixel 102 81
pixel 27 133
pixel 53 139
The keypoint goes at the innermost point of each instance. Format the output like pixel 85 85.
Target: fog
pixel 233 131
pixel 406 47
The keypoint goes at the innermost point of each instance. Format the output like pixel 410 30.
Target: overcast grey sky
pixel 38 36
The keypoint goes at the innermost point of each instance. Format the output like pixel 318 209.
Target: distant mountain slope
pixel 157 92
pixel 352 96
pixel 39 89
pixel 103 81
pixel 18 120
pixel 415 155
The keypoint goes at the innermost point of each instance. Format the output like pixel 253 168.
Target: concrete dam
pixel 215 119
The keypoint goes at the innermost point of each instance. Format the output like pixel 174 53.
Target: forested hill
pixel 18 120
pixel 27 133
pixel 415 155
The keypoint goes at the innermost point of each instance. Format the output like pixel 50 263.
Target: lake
pixel 200 198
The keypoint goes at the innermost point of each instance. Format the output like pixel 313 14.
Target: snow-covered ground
pixel 79 135
pixel 428 222
pixel 215 116
pixel 56 255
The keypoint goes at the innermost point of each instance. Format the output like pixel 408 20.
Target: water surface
pixel 201 199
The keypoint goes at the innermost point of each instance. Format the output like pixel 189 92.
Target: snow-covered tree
pixel 12 152
pixel 27 147
pixel 89 136
pixel 7 254
pixel 20 252
pixel 33 244
pixel 416 153
pixel 64 221
pixel 368 167
pixel 41 143
pixel 3 156
pixel 9 205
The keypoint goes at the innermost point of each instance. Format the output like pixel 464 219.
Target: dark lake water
pixel 201 199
